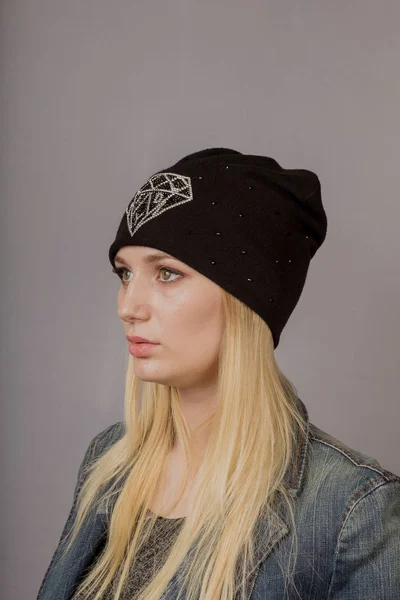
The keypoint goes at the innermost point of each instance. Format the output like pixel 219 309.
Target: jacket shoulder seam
pixel 383 472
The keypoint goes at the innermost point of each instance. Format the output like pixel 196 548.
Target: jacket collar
pixel 294 474
pixel 270 529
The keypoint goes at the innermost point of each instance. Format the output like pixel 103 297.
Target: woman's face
pixel 165 301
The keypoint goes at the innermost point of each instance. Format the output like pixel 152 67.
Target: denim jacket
pixel 347 515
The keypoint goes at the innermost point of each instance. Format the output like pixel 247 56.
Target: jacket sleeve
pixel 367 558
pixel 79 482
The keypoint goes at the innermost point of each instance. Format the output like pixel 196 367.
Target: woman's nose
pixel 134 302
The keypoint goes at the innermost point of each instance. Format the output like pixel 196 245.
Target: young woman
pixel 216 486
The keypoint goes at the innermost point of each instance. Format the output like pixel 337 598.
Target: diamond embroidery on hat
pixel 160 193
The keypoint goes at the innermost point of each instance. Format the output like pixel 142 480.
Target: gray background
pixel 95 96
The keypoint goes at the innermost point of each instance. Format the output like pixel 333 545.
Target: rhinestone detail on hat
pixel 276 212
pixel 161 192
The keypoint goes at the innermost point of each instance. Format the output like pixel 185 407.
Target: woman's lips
pixel 137 339
pixel 141 348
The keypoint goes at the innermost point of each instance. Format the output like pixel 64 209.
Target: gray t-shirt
pixel 150 559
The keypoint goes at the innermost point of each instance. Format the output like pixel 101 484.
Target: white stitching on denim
pixel 353 460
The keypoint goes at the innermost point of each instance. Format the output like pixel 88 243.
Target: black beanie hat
pixel 241 220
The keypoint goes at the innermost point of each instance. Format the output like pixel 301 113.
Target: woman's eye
pixel 169 271
pixel 120 271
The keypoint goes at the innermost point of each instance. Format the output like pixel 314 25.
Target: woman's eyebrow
pixel 150 258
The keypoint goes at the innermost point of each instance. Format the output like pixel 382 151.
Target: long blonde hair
pixel 252 437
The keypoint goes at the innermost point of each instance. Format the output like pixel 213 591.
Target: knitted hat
pixel 241 220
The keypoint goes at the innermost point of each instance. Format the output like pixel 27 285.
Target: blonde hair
pixel 250 445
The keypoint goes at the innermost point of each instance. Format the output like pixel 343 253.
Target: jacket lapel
pixel 270 528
